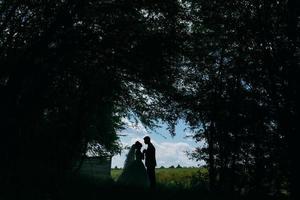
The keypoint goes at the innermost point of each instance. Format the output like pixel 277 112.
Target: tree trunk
pixel 211 160
pixel 293 91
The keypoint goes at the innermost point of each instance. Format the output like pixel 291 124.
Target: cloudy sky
pixel 169 150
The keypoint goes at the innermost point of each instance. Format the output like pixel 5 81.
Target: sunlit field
pixel 174 177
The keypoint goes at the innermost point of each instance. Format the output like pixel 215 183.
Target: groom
pixel 150 161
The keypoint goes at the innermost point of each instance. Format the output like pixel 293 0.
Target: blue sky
pixel 169 150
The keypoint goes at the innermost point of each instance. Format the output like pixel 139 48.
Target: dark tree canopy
pixel 70 70
pixel 241 85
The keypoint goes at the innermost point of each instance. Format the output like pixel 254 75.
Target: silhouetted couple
pixel 134 172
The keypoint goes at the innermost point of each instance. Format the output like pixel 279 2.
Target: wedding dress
pixel 134 172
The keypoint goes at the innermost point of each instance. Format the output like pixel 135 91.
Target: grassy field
pixel 181 177
pixel 172 184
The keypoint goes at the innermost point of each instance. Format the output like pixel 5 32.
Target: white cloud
pixel 167 154
pixel 173 153
pixel 133 127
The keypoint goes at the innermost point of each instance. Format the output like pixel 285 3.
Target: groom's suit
pixel 150 163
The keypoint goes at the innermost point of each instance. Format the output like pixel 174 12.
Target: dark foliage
pixel 241 79
pixel 70 70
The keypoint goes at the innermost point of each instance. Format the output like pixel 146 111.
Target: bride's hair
pixel 138 145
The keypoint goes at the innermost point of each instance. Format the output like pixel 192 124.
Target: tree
pixel 71 70
pixel 237 93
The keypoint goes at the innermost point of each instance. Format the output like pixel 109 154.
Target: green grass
pixel 172 177
pixel 79 188
pixel 115 173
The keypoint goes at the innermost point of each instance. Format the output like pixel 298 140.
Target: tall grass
pixel 174 177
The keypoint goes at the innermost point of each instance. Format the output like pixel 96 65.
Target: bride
pixel 134 172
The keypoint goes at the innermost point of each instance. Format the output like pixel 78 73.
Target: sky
pixel 169 150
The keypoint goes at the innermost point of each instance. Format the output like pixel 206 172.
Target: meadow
pixel 175 177
pixel 172 184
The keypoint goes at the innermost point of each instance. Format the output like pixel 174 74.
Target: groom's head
pixel 147 140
